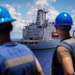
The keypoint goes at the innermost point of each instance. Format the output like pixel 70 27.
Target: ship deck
pixel 45 59
pixel 30 40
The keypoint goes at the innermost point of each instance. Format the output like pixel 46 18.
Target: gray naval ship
pixel 41 34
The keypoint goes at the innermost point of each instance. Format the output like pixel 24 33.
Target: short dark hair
pixel 64 28
pixel 5 27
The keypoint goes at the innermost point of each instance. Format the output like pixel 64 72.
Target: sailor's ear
pixel 11 28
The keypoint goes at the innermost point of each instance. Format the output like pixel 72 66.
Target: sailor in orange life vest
pixel 64 56
pixel 15 58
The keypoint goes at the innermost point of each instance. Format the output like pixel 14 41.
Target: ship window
pixel 36 42
pixel 37 18
pixel 38 13
pixel 26 42
pixel 39 26
pixel 30 43
pixel 30 38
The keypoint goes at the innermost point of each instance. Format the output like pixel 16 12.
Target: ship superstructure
pixel 41 30
pixel 39 34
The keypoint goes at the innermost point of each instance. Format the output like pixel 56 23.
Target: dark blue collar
pixel 10 44
pixel 66 38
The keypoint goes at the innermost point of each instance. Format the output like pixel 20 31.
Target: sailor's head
pixel 5 20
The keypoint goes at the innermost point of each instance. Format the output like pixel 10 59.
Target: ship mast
pixel 45 12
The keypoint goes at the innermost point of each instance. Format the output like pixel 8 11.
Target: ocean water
pixel 45 59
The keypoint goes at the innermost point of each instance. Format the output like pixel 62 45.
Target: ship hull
pixel 42 45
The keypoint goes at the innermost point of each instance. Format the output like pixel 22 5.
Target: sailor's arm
pixel 38 67
pixel 66 60
pixel 68 66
